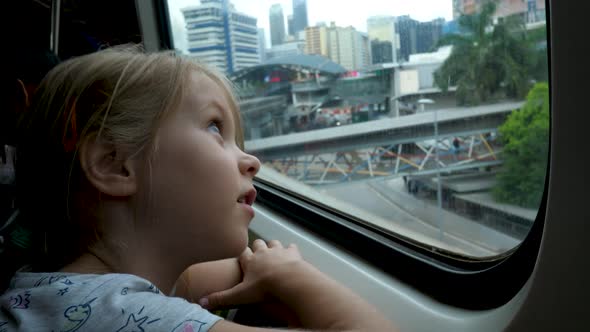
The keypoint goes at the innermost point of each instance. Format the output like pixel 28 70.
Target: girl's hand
pixel 209 277
pixel 260 268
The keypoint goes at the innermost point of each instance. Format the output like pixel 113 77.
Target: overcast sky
pixel 342 12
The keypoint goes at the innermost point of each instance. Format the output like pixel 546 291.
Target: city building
pixel 348 47
pixel 345 46
pixel 407 29
pixel 417 37
pixel 428 34
pixel 261 44
pixel 451 27
pixel 531 11
pixel 364 49
pixel 469 7
pixel 381 51
pixel 221 36
pixel 299 16
pixel 457 8
pixel 277 25
pixel 382 28
pixel 316 40
pixel 290 28
pixel 300 35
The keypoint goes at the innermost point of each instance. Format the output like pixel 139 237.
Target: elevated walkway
pixel 385 132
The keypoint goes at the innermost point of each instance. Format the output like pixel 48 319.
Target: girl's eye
pixel 215 126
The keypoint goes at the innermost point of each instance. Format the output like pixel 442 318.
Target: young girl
pixel 131 170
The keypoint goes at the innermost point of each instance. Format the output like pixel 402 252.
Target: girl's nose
pixel 249 165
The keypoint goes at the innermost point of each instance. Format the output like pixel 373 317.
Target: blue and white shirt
pixel 68 302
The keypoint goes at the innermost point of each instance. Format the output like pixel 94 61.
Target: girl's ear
pixel 107 169
pixel 22 95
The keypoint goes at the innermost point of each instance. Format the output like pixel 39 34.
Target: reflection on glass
pixel 428 120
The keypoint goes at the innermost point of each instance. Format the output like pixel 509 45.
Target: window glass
pixel 427 119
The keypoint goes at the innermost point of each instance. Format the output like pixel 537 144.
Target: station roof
pixel 298 62
pixel 314 62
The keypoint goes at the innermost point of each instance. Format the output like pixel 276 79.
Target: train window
pixel 428 121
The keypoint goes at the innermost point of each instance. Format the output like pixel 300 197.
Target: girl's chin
pixel 235 249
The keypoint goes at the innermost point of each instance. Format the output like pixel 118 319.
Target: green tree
pixel 487 59
pixel 525 135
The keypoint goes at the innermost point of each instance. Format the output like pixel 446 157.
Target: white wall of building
pixel 426 64
pixel 409 81
pixel 207 36
pixel 348 47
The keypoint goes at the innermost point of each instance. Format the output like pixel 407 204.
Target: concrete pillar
pixel 254 132
pixel 395 86
pixel 277 125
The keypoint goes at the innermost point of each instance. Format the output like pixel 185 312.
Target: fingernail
pixel 204 302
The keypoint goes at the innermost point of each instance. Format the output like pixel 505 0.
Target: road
pixel 388 201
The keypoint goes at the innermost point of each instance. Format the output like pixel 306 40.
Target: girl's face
pixel 200 182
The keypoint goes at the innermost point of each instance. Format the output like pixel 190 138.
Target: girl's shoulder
pixel 129 302
pixel 77 281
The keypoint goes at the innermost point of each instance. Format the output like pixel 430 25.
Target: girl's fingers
pixel 258 244
pixel 240 294
pixel 245 256
pixel 275 244
pixel 247 252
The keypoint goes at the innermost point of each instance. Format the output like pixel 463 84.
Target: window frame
pixel 468 284
pixel 447 278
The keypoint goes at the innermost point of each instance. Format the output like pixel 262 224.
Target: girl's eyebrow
pixel 214 104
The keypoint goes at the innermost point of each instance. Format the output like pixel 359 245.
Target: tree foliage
pixel 487 59
pixel 525 135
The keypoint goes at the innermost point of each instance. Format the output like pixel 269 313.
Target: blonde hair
pixel 121 95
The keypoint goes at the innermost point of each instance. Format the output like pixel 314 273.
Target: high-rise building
pixel 348 47
pixel 417 37
pixel 428 34
pixel 299 16
pixel 381 51
pixel 316 40
pixel 261 44
pixel 469 7
pixel 457 4
pixel 364 43
pixel 529 10
pixel 290 29
pixel 277 25
pixel 407 29
pixel 382 28
pixel 221 36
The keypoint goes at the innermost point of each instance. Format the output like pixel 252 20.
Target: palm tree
pixel 487 59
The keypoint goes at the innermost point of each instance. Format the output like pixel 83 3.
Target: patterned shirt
pixel 68 302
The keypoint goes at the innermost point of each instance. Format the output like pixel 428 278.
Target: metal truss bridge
pixel 419 144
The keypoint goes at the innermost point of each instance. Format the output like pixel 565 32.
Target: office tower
pixel 407 28
pixel 348 47
pixel 221 36
pixel 382 28
pixel 290 29
pixel 428 34
pixel 299 16
pixel 277 25
pixel 261 44
pixel 381 51
pixel 316 40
